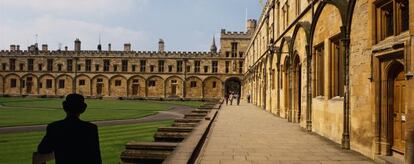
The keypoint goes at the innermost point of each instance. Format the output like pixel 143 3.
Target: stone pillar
pixel 308 88
pixel 345 135
pixel 278 89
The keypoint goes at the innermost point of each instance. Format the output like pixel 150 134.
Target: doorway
pixel 396 105
pixel 297 74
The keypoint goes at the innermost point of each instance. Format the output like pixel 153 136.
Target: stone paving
pixel 247 134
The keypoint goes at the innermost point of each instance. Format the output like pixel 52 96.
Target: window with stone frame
pixel 193 84
pixel 227 68
pixel 298 7
pixel 227 54
pixel 21 67
pixel 337 75
pixel 124 65
pixel 133 68
pixel 152 68
pixel 30 64
pixel 40 67
pixel 13 83
pixel 61 83
pixel 234 49
pixel 179 66
pixel 151 83
pixel 188 68
pixel 79 67
pixel 88 63
pixel 81 82
pixel 49 64
pixel 96 67
pixel 69 65
pixel 240 66
pixel 197 64
pixel 118 83
pixel 48 83
pixel 161 65
pixel 115 67
pixel 143 65
pixel 205 69
pixel 106 65
pixel 391 18
pixel 170 68
pixel 60 67
pixel 319 70
pixel 214 65
pixel 4 65
pixel 12 64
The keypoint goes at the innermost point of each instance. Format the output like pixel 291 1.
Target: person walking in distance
pixel 231 98
pixel 237 97
pixel 71 139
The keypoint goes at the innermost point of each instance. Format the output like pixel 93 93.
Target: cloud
pixel 53 31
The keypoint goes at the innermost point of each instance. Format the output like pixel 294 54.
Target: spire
pixel 213 47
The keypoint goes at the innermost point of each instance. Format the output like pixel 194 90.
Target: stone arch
pixel 100 85
pixel 174 87
pixel 340 5
pixel 8 87
pixel 118 86
pixel 194 91
pixel 30 84
pixel 156 90
pixel 83 85
pixel 136 86
pixel 47 84
pixel 213 87
pixel 284 48
pixel 67 83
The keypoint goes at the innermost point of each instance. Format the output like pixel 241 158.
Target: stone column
pixel 308 88
pixel 345 135
pixel 278 89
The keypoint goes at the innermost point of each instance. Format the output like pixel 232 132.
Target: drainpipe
pixel 345 136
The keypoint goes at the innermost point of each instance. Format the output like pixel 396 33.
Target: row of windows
pixel 124 66
pixel 81 82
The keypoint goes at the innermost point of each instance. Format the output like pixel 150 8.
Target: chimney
pixel 99 47
pixel 127 47
pixel 18 47
pixel 12 47
pixel 44 47
pixel 109 47
pixel 161 45
pixel 77 44
pixel 66 48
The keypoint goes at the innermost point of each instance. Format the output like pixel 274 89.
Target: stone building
pixel 126 74
pixel 342 69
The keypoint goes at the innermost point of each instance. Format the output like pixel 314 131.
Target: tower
pixel 213 47
pixel 251 25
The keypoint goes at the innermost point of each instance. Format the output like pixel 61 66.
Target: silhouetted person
pixel 71 139
pixel 226 98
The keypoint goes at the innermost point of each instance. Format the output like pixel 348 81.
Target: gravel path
pixel 176 112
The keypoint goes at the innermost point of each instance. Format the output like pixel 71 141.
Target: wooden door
pixel 173 90
pixel 99 89
pixel 29 85
pixel 399 113
pixel 135 89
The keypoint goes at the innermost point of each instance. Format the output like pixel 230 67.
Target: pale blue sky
pixel 186 25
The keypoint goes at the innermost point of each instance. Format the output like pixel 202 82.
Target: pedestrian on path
pixel 248 98
pixel 237 97
pixel 231 98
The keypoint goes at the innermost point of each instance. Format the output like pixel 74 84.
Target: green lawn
pixel 17 148
pixel 29 111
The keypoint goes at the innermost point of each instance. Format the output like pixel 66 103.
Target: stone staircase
pixel 166 139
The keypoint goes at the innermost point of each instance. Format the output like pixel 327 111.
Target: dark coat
pixel 72 141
